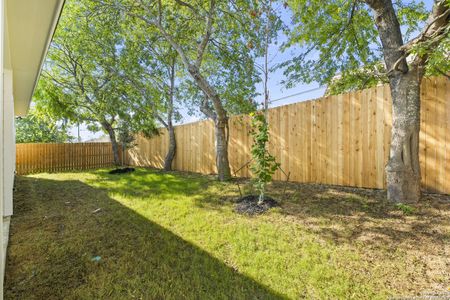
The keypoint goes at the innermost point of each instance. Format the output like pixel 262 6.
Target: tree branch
pixel 182 3
pixel 208 31
pixel 204 108
pixel 436 24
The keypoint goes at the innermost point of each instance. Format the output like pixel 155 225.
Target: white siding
pixel 2 242
pixel 9 149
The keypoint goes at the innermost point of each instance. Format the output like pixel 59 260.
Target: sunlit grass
pixel 169 235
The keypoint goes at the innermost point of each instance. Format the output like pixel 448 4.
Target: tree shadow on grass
pixel 346 215
pixel 411 247
pixel 63 246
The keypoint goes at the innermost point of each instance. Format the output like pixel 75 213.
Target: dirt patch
pixel 248 205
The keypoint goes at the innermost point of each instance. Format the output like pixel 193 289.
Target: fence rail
pixel 342 140
pixel 33 158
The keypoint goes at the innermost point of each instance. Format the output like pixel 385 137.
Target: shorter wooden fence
pixel 34 158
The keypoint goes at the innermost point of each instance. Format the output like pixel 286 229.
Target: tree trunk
pixel 114 144
pixel 172 149
pixel 222 163
pixel 403 169
pixel 221 124
pixel 172 141
pixel 221 118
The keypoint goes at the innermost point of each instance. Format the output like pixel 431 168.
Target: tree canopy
pixel 337 43
pixel 370 41
pixel 36 128
pixel 214 41
pixel 217 37
pixel 82 80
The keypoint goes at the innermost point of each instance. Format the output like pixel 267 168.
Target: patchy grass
pixel 153 235
pixel 405 208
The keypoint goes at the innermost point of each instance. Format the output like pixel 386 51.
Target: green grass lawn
pixel 154 235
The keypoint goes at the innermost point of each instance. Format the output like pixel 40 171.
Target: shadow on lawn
pixel 346 215
pixel 62 246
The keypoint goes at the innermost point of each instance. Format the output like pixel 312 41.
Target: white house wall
pixel 26 29
pixel 9 147
pixel 2 171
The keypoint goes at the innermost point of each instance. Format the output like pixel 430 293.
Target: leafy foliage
pixel 127 131
pixel 264 164
pixel 337 43
pixel 150 72
pixel 439 60
pixel 337 37
pixel 82 79
pixel 212 39
pixel 231 41
pixel 38 129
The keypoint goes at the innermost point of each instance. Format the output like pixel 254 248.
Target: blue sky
pixel 276 89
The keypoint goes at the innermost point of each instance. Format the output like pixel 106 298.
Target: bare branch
pixel 207 36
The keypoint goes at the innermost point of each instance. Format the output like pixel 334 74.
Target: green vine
pixel 264 164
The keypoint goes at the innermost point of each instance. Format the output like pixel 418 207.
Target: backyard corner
pixel 171 235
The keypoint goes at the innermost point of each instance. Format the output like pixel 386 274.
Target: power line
pixel 299 93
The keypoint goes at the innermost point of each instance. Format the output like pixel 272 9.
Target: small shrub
pixel 264 164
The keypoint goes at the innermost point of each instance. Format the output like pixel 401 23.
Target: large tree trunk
pixel 172 149
pixel 403 169
pixel 115 146
pixel 223 166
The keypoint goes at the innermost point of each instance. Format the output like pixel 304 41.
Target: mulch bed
pixel 121 171
pixel 248 205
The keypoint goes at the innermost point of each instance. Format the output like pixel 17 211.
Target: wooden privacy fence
pixel 33 158
pixel 342 140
